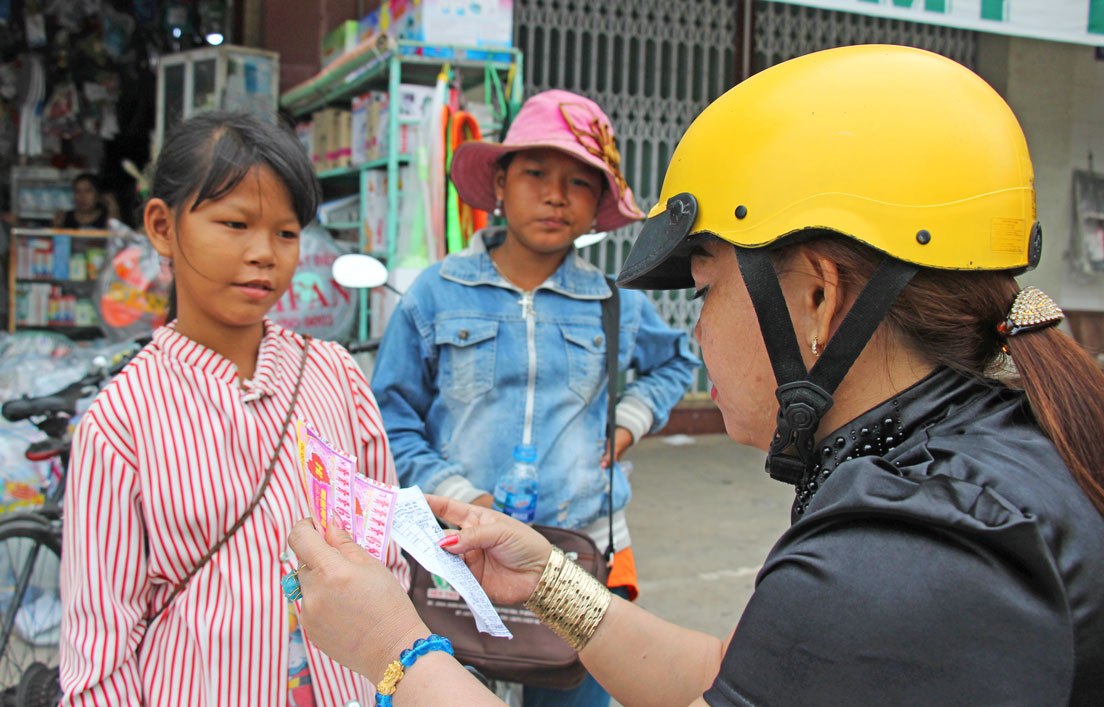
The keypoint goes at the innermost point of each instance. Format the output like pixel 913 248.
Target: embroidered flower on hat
pixel 596 138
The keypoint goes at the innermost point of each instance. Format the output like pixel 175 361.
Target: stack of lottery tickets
pixel 337 494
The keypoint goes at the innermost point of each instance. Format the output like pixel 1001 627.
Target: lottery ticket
pixel 373 507
pixel 336 493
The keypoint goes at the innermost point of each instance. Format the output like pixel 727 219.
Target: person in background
pixel 174 449
pixel 854 235
pixel 502 344
pixel 92 206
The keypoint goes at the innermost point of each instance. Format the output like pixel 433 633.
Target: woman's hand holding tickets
pixel 506 556
pixel 352 608
pixel 355 611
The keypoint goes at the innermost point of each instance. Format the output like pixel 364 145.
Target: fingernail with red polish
pixel 448 540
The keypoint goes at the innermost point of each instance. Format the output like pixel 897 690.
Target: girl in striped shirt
pixel 171 453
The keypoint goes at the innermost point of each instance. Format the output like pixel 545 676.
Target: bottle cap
pixel 525 453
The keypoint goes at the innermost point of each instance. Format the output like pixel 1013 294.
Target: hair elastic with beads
pixel 395 671
pixel 1031 310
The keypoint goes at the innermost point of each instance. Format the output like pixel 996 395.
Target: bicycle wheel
pixel 30 601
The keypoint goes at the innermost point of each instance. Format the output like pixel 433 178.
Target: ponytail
pixel 1065 387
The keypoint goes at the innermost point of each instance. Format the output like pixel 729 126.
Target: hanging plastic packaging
pixel 132 290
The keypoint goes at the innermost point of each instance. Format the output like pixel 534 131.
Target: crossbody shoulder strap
pixel 256 496
pixel 611 325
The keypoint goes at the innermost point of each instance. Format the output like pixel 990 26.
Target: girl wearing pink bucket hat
pixel 502 344
pixel 552 120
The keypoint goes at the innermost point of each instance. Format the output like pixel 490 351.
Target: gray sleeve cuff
pixel 635 416
pixel 458 487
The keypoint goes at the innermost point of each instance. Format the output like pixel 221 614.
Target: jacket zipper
pixel 531 343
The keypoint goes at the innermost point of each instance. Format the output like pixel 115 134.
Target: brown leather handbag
pixel 535 656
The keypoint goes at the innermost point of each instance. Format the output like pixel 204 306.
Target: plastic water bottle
pixel 518 487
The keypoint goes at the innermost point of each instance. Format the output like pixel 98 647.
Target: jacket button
pixel 463 334
pixel 598 340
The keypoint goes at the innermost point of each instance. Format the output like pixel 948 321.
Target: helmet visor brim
pixel 659 259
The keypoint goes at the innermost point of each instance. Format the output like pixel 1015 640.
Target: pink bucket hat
pixel 563 121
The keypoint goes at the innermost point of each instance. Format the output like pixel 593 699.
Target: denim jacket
pixel 471 366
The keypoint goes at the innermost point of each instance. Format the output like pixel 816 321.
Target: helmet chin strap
pixel 805 396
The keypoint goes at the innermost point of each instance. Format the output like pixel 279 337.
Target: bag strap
pixel 256 496
pixel 611 324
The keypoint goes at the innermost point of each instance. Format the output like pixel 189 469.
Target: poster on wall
pixel 1073 21
pixel 1087 244
pixel 314 303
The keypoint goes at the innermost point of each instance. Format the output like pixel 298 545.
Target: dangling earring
pixel 815 346
pixel 498 209
pixel 594 225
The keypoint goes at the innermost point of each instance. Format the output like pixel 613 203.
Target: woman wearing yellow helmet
pixel 865 211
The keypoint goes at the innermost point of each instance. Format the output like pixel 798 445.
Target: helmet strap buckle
pixel 801 405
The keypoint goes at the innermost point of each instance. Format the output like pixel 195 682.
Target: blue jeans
pixel 588 694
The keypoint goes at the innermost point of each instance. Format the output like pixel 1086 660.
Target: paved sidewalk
pixel 703 517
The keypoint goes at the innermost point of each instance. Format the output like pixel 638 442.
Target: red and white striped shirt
pixel 165 461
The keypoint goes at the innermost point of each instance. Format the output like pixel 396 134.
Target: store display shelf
pixel 78 333
pixel 354 171
pixel 76 284
pixel 369 63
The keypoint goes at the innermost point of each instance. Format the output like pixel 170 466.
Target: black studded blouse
pixel 940 554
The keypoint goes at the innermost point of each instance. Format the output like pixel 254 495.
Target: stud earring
pixel 498 209
pixel 815 346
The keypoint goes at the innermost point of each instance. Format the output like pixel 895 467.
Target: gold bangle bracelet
pixel 569 600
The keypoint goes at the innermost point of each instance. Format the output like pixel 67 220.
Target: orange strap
pixel 623 573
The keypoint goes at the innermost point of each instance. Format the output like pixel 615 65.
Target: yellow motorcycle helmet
pixel 901 149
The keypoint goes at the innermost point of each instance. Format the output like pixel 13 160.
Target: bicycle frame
pixel 48 516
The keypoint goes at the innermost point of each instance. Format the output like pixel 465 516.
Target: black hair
pixel 207 156
pixel 505 159
pixel 91 179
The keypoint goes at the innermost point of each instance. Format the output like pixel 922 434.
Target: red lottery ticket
pixel 360 506
pixel 373 505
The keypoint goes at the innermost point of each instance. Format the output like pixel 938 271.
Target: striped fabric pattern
pixel 166 459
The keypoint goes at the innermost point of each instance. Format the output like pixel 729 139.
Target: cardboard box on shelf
pixel 36 258
pixel 395 17
pixel 360 113
pixel 375 211
pixel 339 40
pixel 85 313
pixel 445 23
pixel 78 267
pixel 62 247
pixel 377 103
pixel 339 151
pixel 343 210
pixel 414 103
pixel 96 258
pixel 368 25
pixel 323 136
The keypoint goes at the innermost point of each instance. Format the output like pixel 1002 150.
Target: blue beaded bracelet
pixel 397 668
